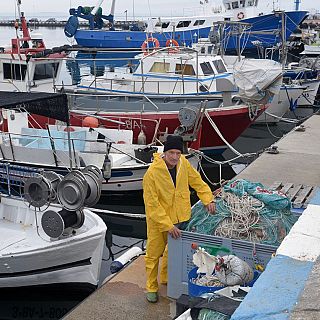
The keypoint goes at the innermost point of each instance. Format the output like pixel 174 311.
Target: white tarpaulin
pixel 257 78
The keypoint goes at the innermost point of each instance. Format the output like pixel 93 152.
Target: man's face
pixel 172 157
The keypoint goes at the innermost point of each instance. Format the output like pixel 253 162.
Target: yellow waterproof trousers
pixel 156 247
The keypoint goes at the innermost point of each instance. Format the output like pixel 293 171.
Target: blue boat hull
pixel 134 39
pixel 264 24
pixel 125 40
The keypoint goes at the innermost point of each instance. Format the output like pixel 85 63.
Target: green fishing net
pixel 245 211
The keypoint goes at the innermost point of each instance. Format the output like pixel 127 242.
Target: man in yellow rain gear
pixel 167 203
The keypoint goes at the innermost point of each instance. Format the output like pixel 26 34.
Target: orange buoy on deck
pixel 90 122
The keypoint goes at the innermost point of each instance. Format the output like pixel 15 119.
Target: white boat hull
pixel 280 104
pixel 28 257
pixel 309 96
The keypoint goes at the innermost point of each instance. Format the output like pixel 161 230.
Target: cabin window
pixel 250 3
pixel 206 68
pixel 183 24
pixel 160 67
pixel 14 71
pixel 228 6
pixel 235 5
pixel 242 3
pixel 219 65
pixel 45 71
pixel 199 22
pixel 185 69
pixel 165 25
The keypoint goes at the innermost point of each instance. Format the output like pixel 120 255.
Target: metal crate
pixel 180 254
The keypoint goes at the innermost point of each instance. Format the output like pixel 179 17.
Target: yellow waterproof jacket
pixel 166 204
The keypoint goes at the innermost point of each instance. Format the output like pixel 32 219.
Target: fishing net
pixel 245 211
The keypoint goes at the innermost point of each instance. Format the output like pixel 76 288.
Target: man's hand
pixel 211 207
pixel 175 233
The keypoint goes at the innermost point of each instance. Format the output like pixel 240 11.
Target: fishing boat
pixel 170 73
pixel 183 30
pixel 46 243
pixel 170 78
pixel 62 147
pixel 27 65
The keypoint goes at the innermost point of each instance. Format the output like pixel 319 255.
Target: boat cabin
pixel 178 72
pixel 241 9
pixel 24 73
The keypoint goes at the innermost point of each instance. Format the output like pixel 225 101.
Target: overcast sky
pixel 141 7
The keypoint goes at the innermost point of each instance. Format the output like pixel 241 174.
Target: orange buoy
pixel 90 122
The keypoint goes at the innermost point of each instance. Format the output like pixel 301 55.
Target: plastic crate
pixel 180 254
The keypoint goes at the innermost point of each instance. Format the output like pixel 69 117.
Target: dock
pixel 287 289
pixel 123 297
pixel 120 24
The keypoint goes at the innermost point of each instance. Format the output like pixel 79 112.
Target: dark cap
pixel 173 142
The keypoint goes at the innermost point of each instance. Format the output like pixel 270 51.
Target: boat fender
pixel 240 15
pixel 106 168
pixel 121 261
pixel 71 26
pixel 142 139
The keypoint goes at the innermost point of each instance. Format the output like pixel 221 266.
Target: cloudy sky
pixel 141 7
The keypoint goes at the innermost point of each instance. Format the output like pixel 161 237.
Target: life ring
pixel 240 15
pixel 173 46
pixel 145 48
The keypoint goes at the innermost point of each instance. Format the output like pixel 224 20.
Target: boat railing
pixel 12 178
pixel 148 85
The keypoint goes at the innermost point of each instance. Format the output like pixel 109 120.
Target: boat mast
pixel 113 5
pixel 96 8
pixel 297 3
pixel 24 27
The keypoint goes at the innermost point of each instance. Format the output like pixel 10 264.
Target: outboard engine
pixel 73 191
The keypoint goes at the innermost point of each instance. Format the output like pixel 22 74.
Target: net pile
pixel 245 211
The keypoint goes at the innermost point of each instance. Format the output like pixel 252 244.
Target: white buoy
pixel 121 261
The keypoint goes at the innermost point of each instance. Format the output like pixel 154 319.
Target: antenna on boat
pixel 297 3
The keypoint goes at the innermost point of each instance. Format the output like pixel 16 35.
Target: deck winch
pixel 73 191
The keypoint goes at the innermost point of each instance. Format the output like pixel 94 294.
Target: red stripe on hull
pixel 230 121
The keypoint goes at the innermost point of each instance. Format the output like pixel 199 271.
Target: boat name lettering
pixel 131 124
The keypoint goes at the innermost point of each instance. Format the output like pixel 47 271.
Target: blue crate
pixel 180 254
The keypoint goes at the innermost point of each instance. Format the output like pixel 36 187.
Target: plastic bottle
pixel 118 263
pixel 213 250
